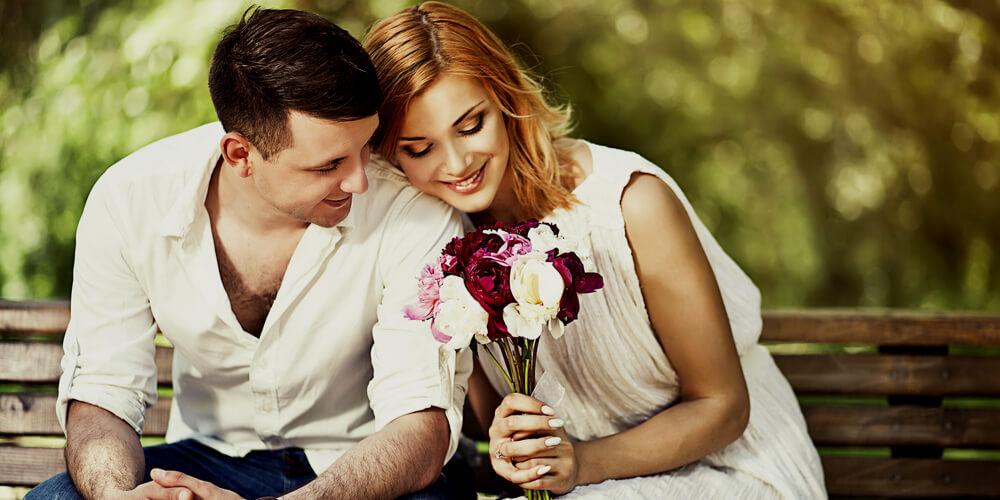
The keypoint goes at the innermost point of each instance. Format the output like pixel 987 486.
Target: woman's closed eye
pixel 473 129
pixel 413 153
pixel 476 126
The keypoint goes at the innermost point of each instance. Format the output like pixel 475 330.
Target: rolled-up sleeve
pixel 412 371
pixel 108 358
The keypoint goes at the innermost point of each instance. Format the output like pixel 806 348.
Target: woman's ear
pixel 236 151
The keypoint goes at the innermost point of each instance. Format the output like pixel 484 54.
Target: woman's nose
pixel 456 161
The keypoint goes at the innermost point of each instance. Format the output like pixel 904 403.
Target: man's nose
pixel 356 182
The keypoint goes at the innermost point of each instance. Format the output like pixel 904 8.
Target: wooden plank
pixel 844 475
pixel 38 362
pixel 891 374
pixel 810 325
pixel 857 476
pixel 29 414
pixel 34 318
pixel 903 425
pixel 881 327
pixel 29 466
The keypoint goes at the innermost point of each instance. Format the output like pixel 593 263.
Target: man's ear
pixel 236 151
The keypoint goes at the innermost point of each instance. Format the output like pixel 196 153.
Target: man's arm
pixel 417 386
pixel 109 373
pixel 103 454
pixel 403 457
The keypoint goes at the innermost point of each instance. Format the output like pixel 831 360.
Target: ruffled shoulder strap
pixel 602 191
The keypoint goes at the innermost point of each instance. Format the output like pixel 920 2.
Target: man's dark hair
pixel 275 61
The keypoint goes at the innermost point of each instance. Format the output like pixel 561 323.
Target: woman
pixel 667 391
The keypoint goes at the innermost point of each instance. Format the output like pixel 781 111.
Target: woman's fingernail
pixel 547 410
pixel 556 423
pixel 553 441
pixel 155 473
pixel 543 469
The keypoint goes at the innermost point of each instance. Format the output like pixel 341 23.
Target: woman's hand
pixel 530 448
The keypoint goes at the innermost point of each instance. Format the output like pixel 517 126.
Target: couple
pixel 278 257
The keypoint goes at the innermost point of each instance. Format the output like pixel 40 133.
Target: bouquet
pixel 504 284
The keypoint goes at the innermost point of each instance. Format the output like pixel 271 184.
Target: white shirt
pixel 335 362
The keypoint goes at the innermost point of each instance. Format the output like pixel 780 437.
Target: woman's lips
pixel 469 184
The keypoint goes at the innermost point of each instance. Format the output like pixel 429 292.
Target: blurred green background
pixel 845 152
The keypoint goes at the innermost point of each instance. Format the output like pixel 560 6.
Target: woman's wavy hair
pixel 413 48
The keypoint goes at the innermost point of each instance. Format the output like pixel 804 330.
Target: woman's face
pixel 453 143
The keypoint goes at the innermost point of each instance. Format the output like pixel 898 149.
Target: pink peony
pixel 428 295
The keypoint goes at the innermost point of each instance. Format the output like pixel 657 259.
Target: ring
pixel 499 454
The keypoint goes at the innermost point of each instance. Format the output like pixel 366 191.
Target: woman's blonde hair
pixel 413 48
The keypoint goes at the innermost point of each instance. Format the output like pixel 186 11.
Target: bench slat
pixel 903 426
pixel 857 476
pixel 883 328
pixel 828 425
pixel 844 475
pixel 886 374
pixel 30 414
pixel 34 318
pixel 813 325
pixel 29 466
pixel 38 362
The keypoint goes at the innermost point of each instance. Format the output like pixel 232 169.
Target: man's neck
pixel 235 197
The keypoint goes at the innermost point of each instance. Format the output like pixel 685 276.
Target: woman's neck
pixel 505 207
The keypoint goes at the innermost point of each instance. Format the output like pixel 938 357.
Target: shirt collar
pixel 190 200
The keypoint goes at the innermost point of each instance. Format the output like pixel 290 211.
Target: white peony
pixel 543 239
pixel 528 320
pixel 537 287
pixel 459 316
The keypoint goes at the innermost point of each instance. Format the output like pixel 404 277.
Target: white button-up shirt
pixel 335 362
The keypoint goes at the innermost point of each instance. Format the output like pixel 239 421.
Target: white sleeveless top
pixel 616 374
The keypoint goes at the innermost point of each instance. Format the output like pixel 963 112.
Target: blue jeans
pixel 260 473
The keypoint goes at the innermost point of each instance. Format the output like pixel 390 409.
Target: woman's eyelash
pixel 475 128
pixel 417 154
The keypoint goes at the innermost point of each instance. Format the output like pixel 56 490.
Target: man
pixel 250 245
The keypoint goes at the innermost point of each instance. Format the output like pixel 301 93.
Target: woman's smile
pixel 469 184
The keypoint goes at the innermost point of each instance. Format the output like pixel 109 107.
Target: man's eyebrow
pixel 455 124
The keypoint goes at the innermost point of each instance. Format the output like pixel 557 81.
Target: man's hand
pixel 154 491
pixel 203 490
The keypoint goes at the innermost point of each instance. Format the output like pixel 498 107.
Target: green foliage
pixel 843 151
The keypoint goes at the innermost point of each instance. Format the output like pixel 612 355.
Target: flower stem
pixel 510 383
pixel 534 361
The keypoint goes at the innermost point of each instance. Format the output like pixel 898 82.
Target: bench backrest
pixel 899 404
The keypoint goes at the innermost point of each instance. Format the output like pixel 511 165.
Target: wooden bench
pixel 900 404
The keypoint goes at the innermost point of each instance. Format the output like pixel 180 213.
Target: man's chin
pixel 330 219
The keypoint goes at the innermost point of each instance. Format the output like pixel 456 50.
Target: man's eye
pixel 330 167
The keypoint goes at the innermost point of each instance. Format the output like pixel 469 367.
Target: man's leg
pixel 264 473
pixel 58 487
pixel 455 483
pixel 260 473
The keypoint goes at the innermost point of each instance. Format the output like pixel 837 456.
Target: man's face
pixel 313 179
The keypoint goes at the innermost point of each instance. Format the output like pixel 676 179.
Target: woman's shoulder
pixel 617 166
pixel 613 169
